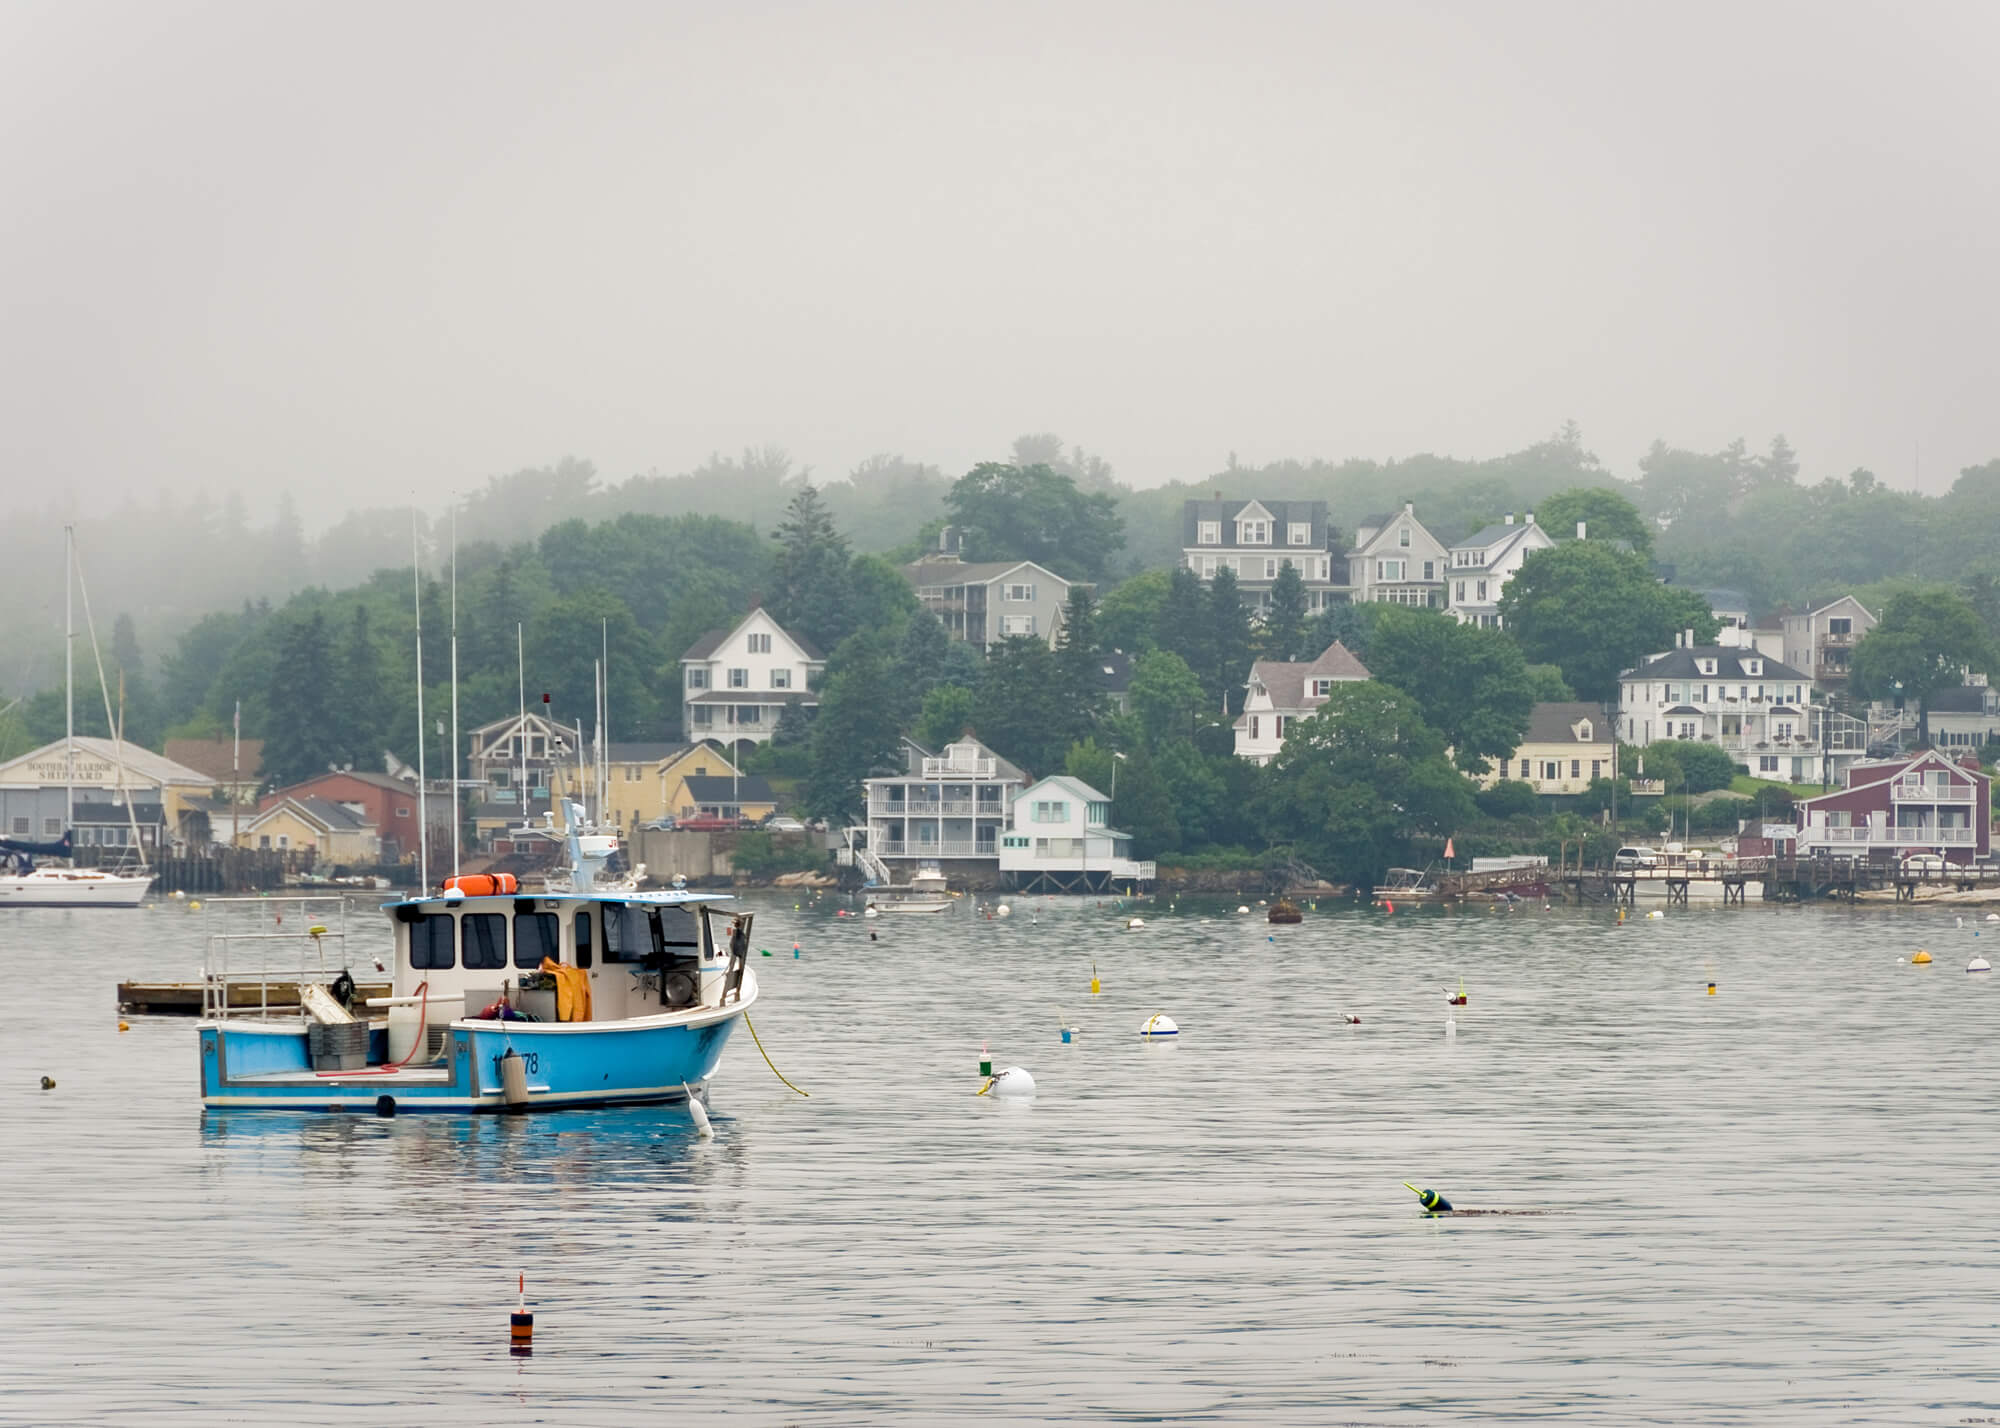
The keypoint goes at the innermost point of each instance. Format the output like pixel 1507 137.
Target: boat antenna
pixel 104 687
pixel 455 816
pixel 604 719
pixel 423 804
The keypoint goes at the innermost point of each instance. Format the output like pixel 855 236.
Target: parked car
pixel 1923 863
pixel 661 825
pixel 1628 859
pixel 707 825
pixel 778 823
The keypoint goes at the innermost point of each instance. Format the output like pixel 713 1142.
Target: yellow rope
pixel 767 1056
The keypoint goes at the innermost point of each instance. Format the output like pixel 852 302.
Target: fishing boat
pixel 926 891
pixel 502 1001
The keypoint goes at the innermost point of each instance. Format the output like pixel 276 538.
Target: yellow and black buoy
pixel 1433 1203
pixel 48 1083
pixel 1711 989
pixel 1095 985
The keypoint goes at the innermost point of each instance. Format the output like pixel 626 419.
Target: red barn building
pixel 1921 804
pixel 388 803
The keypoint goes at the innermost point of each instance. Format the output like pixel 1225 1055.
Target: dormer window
pixel 1753 667
pixel 1299 533
pixel 1208 533
pixel 1706 666
pixel 1583 731
pixel 1253 532
pixel 1322 688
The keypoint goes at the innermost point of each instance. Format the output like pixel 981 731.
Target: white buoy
pixel 1011 1082
pixel 1243 909
pixel 702 1128
pixel 1993 917
pixel 871 912
pixel 1450 1027
pixel 1004 911
pixel 1135 924
pixel 1159 1024
pixel 1959 921
pixel 1655 913
pixel 1978 964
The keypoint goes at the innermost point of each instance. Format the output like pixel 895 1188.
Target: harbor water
pixel 1773 1203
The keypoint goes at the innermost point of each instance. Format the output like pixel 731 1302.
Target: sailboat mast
pixel 521 734
pixel 69 677
pixel 423 805
pixel 456 817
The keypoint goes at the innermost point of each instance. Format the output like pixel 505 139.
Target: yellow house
pixel 648 781
pixel 337 832
pixel 1566 746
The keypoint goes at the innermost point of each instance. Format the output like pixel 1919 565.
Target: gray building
pixel 984 602
pixel 1256 539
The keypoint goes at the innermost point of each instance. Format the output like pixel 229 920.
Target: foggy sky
pixel 365 251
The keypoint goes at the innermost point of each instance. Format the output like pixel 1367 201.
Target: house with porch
pixel 736 682
pixel 1483 563
pixel 984 602
pixel 1762 712
pixel 1059 839
pixel 1396 561
pixel 948 807
pixel 1255 539
pixel 1566 746
pixel 720 796
pixel 1892 807
pixel 1281 691
pixel 1821 642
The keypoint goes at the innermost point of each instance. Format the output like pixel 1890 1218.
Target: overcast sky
pixel 369 250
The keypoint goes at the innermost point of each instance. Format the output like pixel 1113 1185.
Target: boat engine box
pixel 343 1047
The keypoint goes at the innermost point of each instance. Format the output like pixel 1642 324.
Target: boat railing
pixel 254 940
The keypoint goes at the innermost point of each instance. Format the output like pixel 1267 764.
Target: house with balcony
pixel 1256 539
pixel 984 602
pixel 1395 561
pixel 1483 563
pixel 947 807
pixel 735 683
pixel 1283 691
pixel 1890 808
pixel 1566 746
pixel 1762 712
pixel 1821 642
pixel 1059 839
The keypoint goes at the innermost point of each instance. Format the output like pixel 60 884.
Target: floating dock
pixel 185 998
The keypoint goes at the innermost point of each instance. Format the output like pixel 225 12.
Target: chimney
pixel 1409 508
pixel 1579 530
pixel 1530 520
pixel 1690 637
pixel 1510 518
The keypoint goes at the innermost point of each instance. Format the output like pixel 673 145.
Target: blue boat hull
pixel 249 1066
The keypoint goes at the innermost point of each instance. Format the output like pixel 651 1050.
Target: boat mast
pixel 521 731
pixel 455 816
pixel 423 805
pixel 69 679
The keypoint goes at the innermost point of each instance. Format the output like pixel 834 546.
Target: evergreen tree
pixel 947 713
pixel 814 584
pixel 920 661
pixel 1227 647
pixel 1020 708
pixel 1079 666
pixel 1180 617
pixel 132 693
pixel 1284 634
pixel 361 699
pixel 855 733
pixel 302 733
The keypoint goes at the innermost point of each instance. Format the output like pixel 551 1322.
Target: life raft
pixel 483 884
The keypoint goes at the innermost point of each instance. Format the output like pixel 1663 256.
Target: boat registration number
pixel 532 1063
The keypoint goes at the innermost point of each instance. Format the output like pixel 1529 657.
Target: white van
pixel 1627 859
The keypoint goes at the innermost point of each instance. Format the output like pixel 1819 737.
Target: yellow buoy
pixel 1922 959
pixel 1095 985
pixel 124 1026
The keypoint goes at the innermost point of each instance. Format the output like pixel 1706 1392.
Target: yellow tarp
pixel 572 990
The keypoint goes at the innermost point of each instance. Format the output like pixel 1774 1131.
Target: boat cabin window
pixel 537 935
pixel 431 943
pixel 482 940
pixel 583 940
pixel 626 936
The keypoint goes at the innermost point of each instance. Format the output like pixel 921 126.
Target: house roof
pixel 1497 538
pixel 713 788
pixel 1684 709
pixel 511 812
pixel 1680 664
pixel 142 766
pixel 1069 784
pixel 1282 513
pixel 1114 672
pixel 1964 699
pixel 377 780
pixel 1556 724
pixel 1872 772
pixel 1841 600
pixel 1285 680
pixel 1720 599
pixel 322 811
pixel 755 696
pixel 220 758
pixel 945 570
pixel 645 753
pixel 709 643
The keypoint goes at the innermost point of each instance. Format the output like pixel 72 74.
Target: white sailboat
pixel 73 886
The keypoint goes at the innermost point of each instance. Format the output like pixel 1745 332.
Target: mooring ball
pixel 1159 1024
pixel 1011 1082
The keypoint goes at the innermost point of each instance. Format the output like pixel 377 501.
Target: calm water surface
pixel 1776 1204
